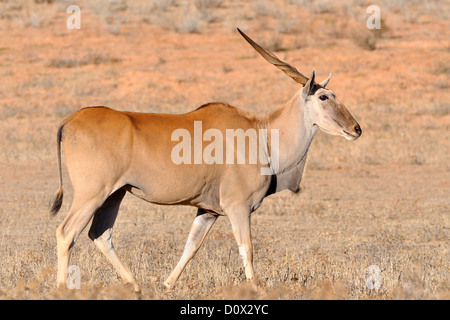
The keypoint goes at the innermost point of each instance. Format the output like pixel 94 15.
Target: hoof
pixel 167 287
pixel 133 286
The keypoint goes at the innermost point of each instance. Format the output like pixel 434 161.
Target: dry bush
pixel 189 22
pixel 203 5
pixel 365 38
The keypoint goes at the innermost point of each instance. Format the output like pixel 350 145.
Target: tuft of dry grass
pixel 94 58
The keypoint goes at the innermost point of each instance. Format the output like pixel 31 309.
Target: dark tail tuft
pixel 56 202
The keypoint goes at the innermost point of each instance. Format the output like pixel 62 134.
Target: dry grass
pixel 382 200
pixel 306 247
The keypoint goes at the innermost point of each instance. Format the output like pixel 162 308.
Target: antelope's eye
pixel 323 97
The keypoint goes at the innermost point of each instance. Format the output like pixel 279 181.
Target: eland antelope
pixel 109 153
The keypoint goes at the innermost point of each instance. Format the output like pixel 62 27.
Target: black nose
pixel 358 129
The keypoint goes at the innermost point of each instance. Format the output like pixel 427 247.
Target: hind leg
pixel 101 233
pixel 81 212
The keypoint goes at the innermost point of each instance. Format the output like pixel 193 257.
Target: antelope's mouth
pixel 351 136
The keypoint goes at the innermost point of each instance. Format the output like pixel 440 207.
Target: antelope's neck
pixel 296 132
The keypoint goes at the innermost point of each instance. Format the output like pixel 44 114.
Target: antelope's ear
pixel 309 86
pixel 325 82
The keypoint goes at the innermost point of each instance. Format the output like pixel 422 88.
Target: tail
pixel 58 198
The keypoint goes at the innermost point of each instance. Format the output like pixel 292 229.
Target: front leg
pixel 200 227
pixel 240 223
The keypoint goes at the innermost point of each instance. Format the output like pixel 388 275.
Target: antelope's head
pixel 321 105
